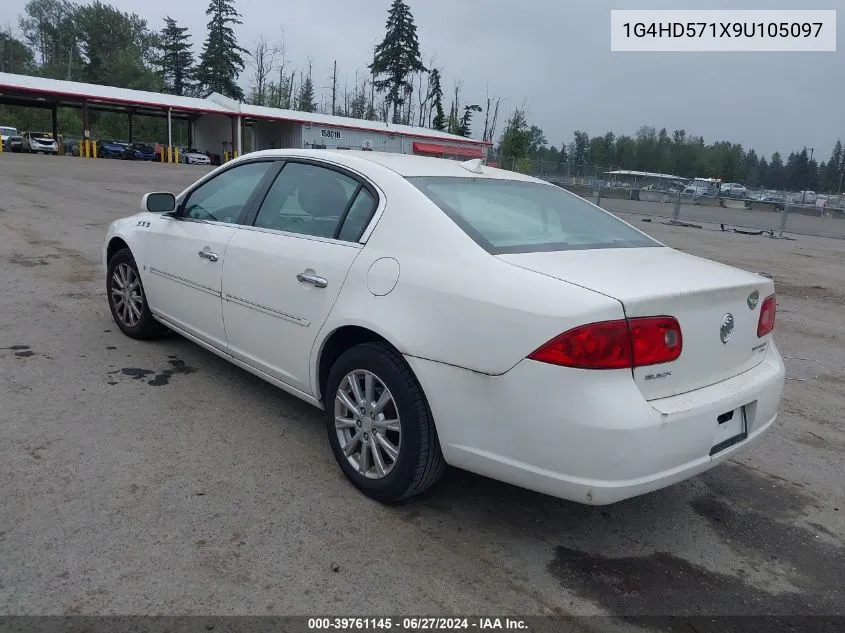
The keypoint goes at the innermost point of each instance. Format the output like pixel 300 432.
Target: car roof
pixel 407 165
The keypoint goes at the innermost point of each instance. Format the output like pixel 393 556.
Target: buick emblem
pixel 752 300
pixel 727 327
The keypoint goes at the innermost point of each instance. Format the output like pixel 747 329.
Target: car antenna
pixel 474 165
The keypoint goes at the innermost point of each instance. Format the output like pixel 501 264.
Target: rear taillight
pixel 605 345
pixel 655 340
pixel 615 344
pixel 767 316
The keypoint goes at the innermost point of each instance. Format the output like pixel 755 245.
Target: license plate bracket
pixel 732 428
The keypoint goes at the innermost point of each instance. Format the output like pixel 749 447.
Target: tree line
pixel 676 153
pixel 96 43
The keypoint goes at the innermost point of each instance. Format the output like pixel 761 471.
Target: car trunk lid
pixel 660 281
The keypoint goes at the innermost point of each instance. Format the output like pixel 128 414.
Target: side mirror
pixel 158 202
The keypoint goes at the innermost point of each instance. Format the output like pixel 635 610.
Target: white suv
pixel 40 143
pixel 6 133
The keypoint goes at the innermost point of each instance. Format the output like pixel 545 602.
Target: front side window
pixel 508 216
pixel 311 200
pixel 222 198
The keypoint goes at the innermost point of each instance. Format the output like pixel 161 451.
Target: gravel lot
pixel 155 478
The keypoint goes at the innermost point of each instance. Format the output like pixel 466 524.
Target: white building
pixel 219 124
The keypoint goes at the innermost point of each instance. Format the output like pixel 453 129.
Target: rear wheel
pixel 379 424
pixel 127 300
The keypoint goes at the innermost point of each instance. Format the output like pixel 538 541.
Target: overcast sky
pixel 555 55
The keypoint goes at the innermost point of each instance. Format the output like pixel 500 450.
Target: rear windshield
pixel 507 216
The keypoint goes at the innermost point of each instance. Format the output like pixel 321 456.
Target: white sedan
pixel 451 313
pixel 193 157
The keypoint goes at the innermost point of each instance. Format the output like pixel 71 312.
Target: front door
pixel 283 274
pixel 186 251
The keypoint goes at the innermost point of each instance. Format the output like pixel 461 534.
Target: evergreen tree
pixel 833 169
pixel 776 172
pixel 397 57
pixel 176 60
pixel 305 96
pixel 765 174
pixel 436 96
pixel 222 59
pixel 465 124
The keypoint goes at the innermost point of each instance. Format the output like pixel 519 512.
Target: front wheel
pixel 127 300
pixel 379 424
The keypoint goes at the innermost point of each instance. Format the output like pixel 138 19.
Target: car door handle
pixel 209 255
pixel 310 277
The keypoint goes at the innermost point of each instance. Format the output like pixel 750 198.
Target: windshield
pixel 8 131
pixel 507 216
pixel 41 136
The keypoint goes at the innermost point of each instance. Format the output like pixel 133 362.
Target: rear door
pixel 283 274
pixel 186 250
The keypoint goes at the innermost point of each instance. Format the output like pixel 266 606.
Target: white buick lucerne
pixel 452 313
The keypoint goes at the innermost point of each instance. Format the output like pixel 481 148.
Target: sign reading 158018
pixel 332 134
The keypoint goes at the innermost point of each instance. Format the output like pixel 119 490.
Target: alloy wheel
pixel 367 424
pixel 126 295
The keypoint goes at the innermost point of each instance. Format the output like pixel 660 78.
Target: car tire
pixel 420 462
pixel 136 322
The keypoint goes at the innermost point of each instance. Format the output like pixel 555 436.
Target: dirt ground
pixel 797 224
pixel 155 478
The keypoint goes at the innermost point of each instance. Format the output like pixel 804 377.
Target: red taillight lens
pixel 615 344
pixel 605 345
pixel 655 339
pixel 767 316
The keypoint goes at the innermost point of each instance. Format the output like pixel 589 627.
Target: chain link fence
pixel 753 211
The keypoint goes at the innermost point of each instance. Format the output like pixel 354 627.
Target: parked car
pixel 69 144
pixel 803 197
pixel 14 144
pixel 772 197
pixel 192 156
pixel 697 190
pixel 449 313
pixel 111 149
pixel 733 190
pixel 5 133
pixel 39 142
pixel 139 151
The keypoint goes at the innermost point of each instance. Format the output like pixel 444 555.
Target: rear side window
pixel 508 216
pixel 358 218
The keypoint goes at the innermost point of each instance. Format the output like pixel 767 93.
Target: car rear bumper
pixel 590 436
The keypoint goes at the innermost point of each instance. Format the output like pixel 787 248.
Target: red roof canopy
pixel 441 149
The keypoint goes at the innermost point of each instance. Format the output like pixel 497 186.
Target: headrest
pixel 322 197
